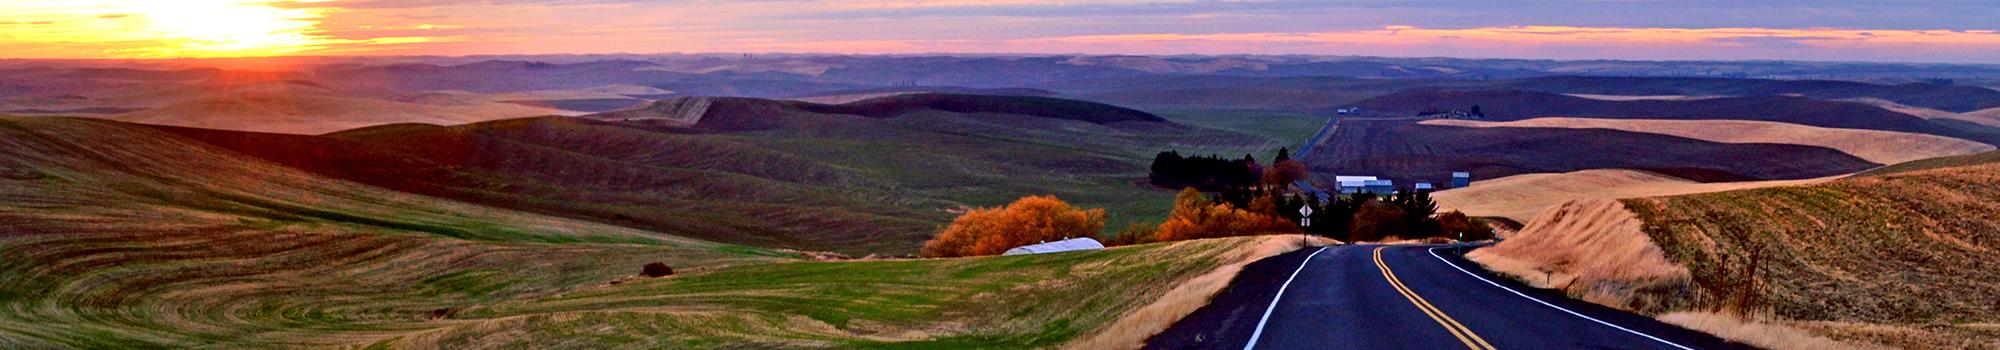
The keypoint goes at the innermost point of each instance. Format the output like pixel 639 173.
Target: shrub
pixel 1196 216
pixel 657 269
pixel 1029 220
pixel 1376 220
pixel 1135 233
pixel 1456 225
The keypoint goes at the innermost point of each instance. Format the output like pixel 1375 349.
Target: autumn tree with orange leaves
pixel 1196 216
pixel 1029 220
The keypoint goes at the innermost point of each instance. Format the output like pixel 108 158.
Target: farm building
pixel 1367 184
pixel 1073 244
pixel 1353 184
pixel 1460 179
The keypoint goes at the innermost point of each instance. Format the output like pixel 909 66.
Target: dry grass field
pixel 1903 255
pixel 1521 197
pixel 1410 151
pixel 1896 259
pixel 1883 147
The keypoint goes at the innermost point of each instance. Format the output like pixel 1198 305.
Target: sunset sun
pixel 226 27
pixel 199 28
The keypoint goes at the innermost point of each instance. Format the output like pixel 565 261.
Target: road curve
pixel 1406 297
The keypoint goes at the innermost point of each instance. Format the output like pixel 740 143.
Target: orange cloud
pixel 1568 36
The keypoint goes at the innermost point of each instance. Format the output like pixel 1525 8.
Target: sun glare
pixel 231 28
pixel 186 28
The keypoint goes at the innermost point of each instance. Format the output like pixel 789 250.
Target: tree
pixel 1197 216
pixel 1287 171
pixel 1029 220
pixel 1376 220
pixel 1455 225
pixel 1134 233
pixel 1284 154
pixel 1476 112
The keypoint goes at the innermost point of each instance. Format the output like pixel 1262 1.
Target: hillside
pixel 1521 197
pixel 1907 250
pixel 115 235
pixel 1883 147
pixel 1896 259
pixel 728 114
pixel 1508 105
pixel 294 113
pixel 1408 151
pixel 1955 98
pixel 769 173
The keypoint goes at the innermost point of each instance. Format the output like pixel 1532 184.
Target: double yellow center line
pixel 1457 330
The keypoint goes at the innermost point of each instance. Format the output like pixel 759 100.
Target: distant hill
pixel 876 176
pixel 746 114
pixel 1519 104
pixel 1406 150
pixel 1884 147
pixel 1954 98
pixel 845 96
pixel 315 113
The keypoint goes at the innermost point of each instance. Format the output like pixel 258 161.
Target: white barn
pixel 1073 244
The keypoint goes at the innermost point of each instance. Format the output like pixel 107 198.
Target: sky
pixel 1883 31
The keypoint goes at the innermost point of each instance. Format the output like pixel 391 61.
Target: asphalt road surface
pixel 1406 297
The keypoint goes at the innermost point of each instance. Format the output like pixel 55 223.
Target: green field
pixel 1282 126
pixel 770 174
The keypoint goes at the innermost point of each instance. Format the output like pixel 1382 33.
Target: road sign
pixel 1305 215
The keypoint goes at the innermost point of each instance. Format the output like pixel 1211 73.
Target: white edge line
pixel 1434 254
pixel 1274 301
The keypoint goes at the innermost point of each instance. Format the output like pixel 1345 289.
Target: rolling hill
pixel 1905 250
pixel 1955 98
pixel 1884 147
pixel 317 113
pixel 1895 259
pixel 116 235
pixel 1507 105
pixel 1521 197
pixel 1407 150
pixel 770 173
pixel 182 243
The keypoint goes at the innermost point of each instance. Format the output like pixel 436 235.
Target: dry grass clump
pixel 1132 330
pixel 1760 333
pixel 1592 249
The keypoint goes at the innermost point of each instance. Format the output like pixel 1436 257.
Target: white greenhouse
pixel 1072 244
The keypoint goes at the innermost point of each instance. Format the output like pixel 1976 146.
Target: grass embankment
pixel 989 302
pixel 1901 259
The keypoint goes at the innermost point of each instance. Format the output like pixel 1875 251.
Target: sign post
pixel 1305 220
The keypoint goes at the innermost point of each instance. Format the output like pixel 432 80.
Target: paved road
pixel 1305 152
pixel 1406 297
